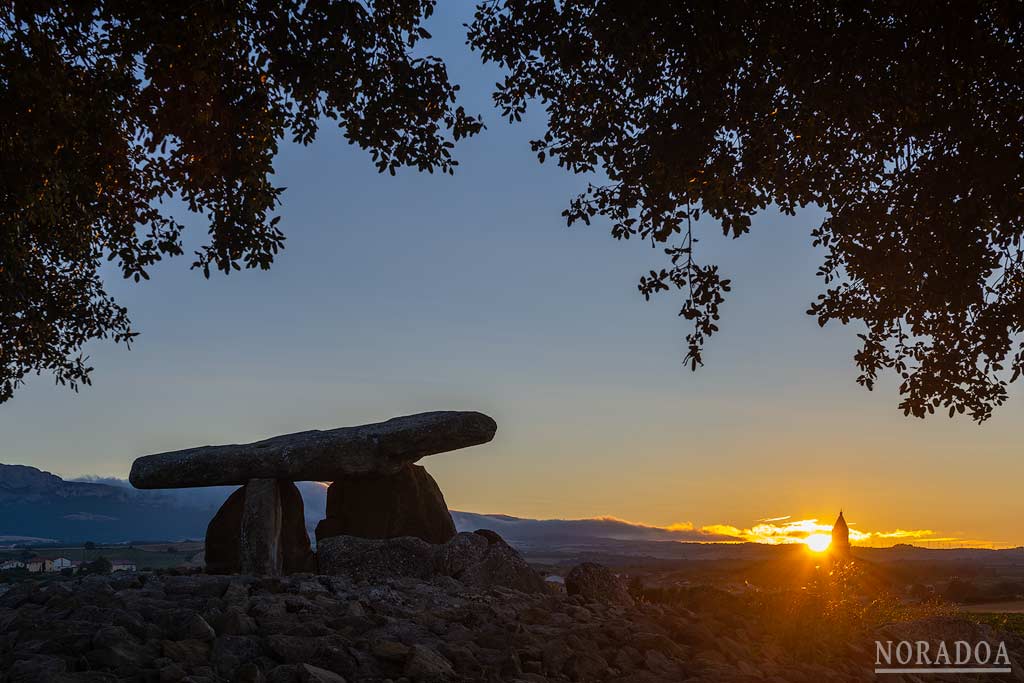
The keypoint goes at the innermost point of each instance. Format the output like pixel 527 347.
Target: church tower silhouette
pixel 840 537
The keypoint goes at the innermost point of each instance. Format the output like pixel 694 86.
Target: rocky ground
pixel 148 627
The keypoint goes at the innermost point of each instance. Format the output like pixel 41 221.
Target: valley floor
pixel 1006 607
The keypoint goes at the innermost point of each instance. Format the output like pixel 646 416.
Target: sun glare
pixel 818 542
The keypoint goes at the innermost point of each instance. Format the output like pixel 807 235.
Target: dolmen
pixel 377 490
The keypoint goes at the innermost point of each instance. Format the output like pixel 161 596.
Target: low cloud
pixel 779 530
pixel 770 530
pixel 901 533
pixel 89 517
pixel 567 530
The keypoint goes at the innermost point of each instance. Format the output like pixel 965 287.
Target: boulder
pixel 461 553
pixel 36 669
pixel 230 653
pixel 483 559
pixel 426 665
pixel 374 449
pixel 224 534
pixel 307 673
pixel 366 559
pixel 597 583
pixel 479 560
pixel 408 503
pixel 302 673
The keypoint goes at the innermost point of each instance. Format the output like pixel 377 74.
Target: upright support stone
pixel 261 528
pixel 409 503
pixel 223 535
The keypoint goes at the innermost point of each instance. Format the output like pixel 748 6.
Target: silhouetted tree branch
pixel 907 126
pixel 108 109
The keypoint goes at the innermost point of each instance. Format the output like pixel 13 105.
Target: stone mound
pixel 212 629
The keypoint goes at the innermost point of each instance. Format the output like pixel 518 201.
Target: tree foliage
pixel 109 109
pixel 906 124
pixel 100 565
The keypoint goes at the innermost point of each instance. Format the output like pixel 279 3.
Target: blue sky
pixel 427 292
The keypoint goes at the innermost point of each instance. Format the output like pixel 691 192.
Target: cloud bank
pixel 771 531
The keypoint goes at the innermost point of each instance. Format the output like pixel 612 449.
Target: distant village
pixel 47 565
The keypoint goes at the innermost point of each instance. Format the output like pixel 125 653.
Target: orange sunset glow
pixel 818 542
pixel 812 532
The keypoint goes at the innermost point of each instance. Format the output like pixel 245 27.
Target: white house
pixel 122 566
pixel 59 563
pixel 48 564
pixel 12 564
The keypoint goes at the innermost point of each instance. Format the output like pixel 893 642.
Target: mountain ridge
pixel 35 504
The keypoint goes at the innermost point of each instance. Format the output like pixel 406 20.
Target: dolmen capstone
pixel 377 490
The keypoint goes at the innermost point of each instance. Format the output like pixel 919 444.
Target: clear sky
pixel 423 292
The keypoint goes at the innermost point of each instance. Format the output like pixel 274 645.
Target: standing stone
pixel 296 553
pixel 405 504
pixel 260 541
pixel 223 536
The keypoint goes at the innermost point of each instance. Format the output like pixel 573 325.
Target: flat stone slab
pixel 377 449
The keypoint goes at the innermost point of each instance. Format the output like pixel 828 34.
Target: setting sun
pixel 818 542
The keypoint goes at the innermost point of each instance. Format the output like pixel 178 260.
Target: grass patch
pixel 154 556
pixel 814 619
pixel 1013 623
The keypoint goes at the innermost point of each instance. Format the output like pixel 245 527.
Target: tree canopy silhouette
pixel 906 124
pixel 110 108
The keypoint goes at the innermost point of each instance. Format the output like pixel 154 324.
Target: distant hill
pixel 36 506
pixel 24 484
pixel 39 505
pixel 607 539
pixel 617 542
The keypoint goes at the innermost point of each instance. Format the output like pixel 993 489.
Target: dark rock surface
pixel 479 560
pixel 296 553
pixel 597 582
pixel 483 559
pixel 213 629
pixel 223 536
pixel 260 539
pixel 364 559
pixel 382 448
pixel 408 503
